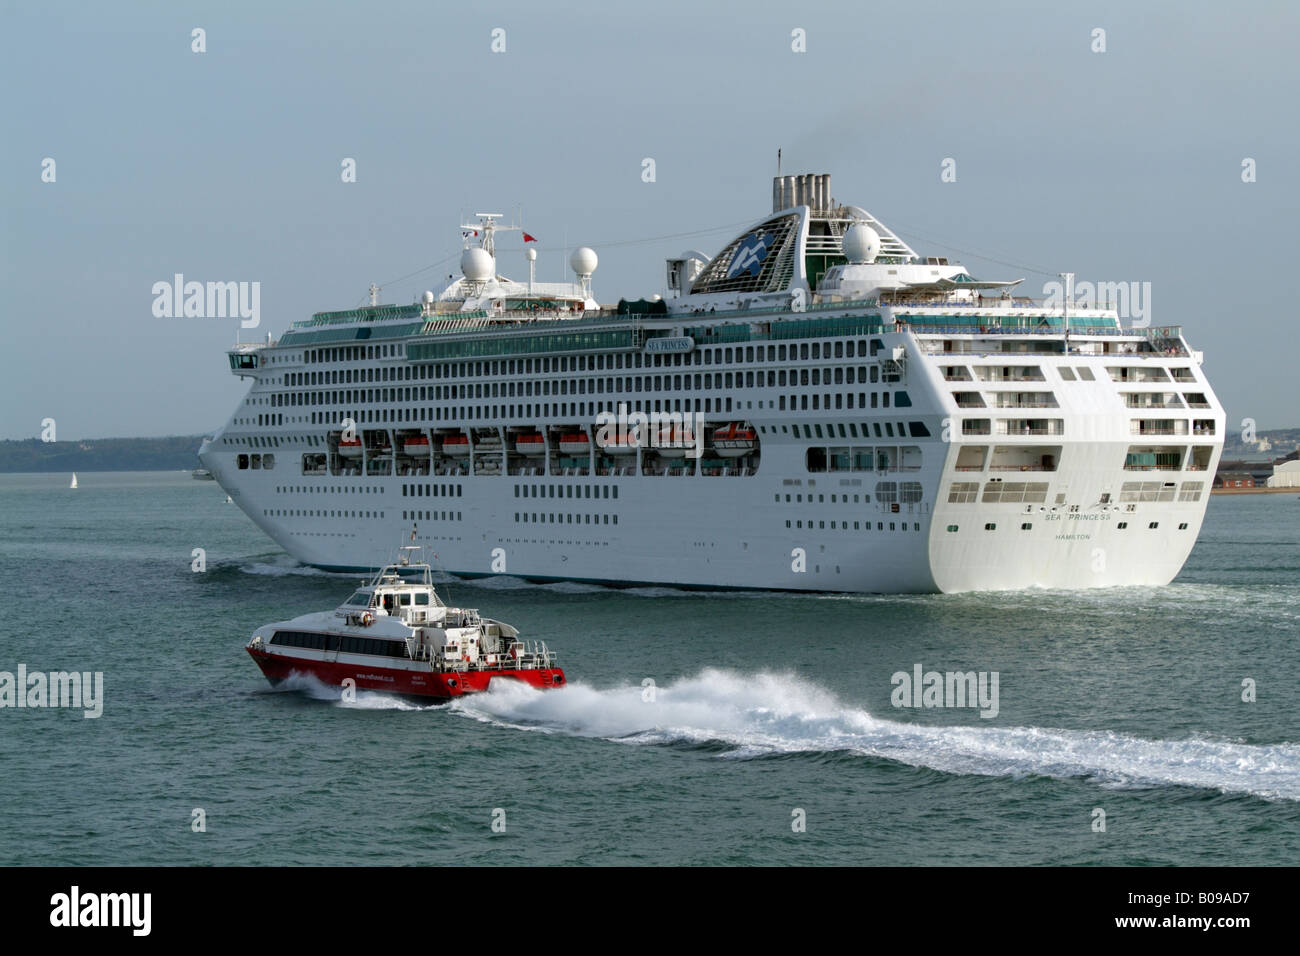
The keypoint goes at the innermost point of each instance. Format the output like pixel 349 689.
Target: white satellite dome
pixel 861 243
pixel 530 254
pixel 428 297
pixel 583 261
pixel 477 264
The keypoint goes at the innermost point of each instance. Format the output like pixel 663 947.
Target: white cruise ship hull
pixel 908 427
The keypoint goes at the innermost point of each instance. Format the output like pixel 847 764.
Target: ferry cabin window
pixel 360 599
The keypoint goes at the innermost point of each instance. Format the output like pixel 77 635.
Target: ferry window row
pixel 338 642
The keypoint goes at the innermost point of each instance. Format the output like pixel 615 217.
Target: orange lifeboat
pixel 456 445
pixel 734 440
pixel 675 442
pixel 622 443
pixel 530 444
pixel 416 446
pixel 575 443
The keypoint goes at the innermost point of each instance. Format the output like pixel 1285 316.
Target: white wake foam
pixel 313 687
pixel 283 565
pixel 765 714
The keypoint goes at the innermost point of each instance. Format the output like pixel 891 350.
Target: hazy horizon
pixel 1121 166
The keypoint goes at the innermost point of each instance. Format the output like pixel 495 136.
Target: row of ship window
pixel 433 491
pixel 887 493
pixel 816 402
pixel 318 513
pixel 1034 373
pixel 566 491
pixel 1035 492
pixel 702 355
pixel 549 410
pixel 329 490
pixel 481 391
pixel 1029 526
pixel 525 517
pixel 857 526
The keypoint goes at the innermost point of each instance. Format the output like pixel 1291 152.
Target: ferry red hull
pixel 415 683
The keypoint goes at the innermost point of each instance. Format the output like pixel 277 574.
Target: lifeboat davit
pixel 530 445
pixel 734 440
pixel 575 443
pixel 416 445
pixel 456 445
pixel 675 442
pixel 350 448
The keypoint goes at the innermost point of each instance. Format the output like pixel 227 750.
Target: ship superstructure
pixel 817 407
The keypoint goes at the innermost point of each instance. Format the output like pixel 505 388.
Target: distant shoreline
pixel 33 456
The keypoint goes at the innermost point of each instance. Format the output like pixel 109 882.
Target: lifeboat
pixel 456 445
pixel 621 444
pixel 350 448
pixel 734 440
pixel 415 445
pixel 675 442
pixel 575 443
pixel 530 444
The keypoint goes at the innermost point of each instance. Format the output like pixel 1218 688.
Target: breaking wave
pixel 766 714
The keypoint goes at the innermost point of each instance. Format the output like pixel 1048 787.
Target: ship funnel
pixel 811 189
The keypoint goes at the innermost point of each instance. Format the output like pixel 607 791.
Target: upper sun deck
pixel 1001 323
pixel 814 267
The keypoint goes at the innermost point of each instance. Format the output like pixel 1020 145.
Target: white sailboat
pixel 74 480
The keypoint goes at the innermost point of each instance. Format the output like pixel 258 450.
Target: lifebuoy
pixel 367 619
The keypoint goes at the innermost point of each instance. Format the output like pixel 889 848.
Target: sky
pixel 1122 165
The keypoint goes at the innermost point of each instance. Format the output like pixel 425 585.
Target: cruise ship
pixel 816 407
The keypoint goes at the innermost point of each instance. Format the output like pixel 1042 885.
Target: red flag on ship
pixel 528 238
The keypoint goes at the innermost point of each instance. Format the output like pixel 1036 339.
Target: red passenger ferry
pixel 395 635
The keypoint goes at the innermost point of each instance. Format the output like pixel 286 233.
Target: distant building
pixel 1257 471
pixel 1234 479
pixel 1286 475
